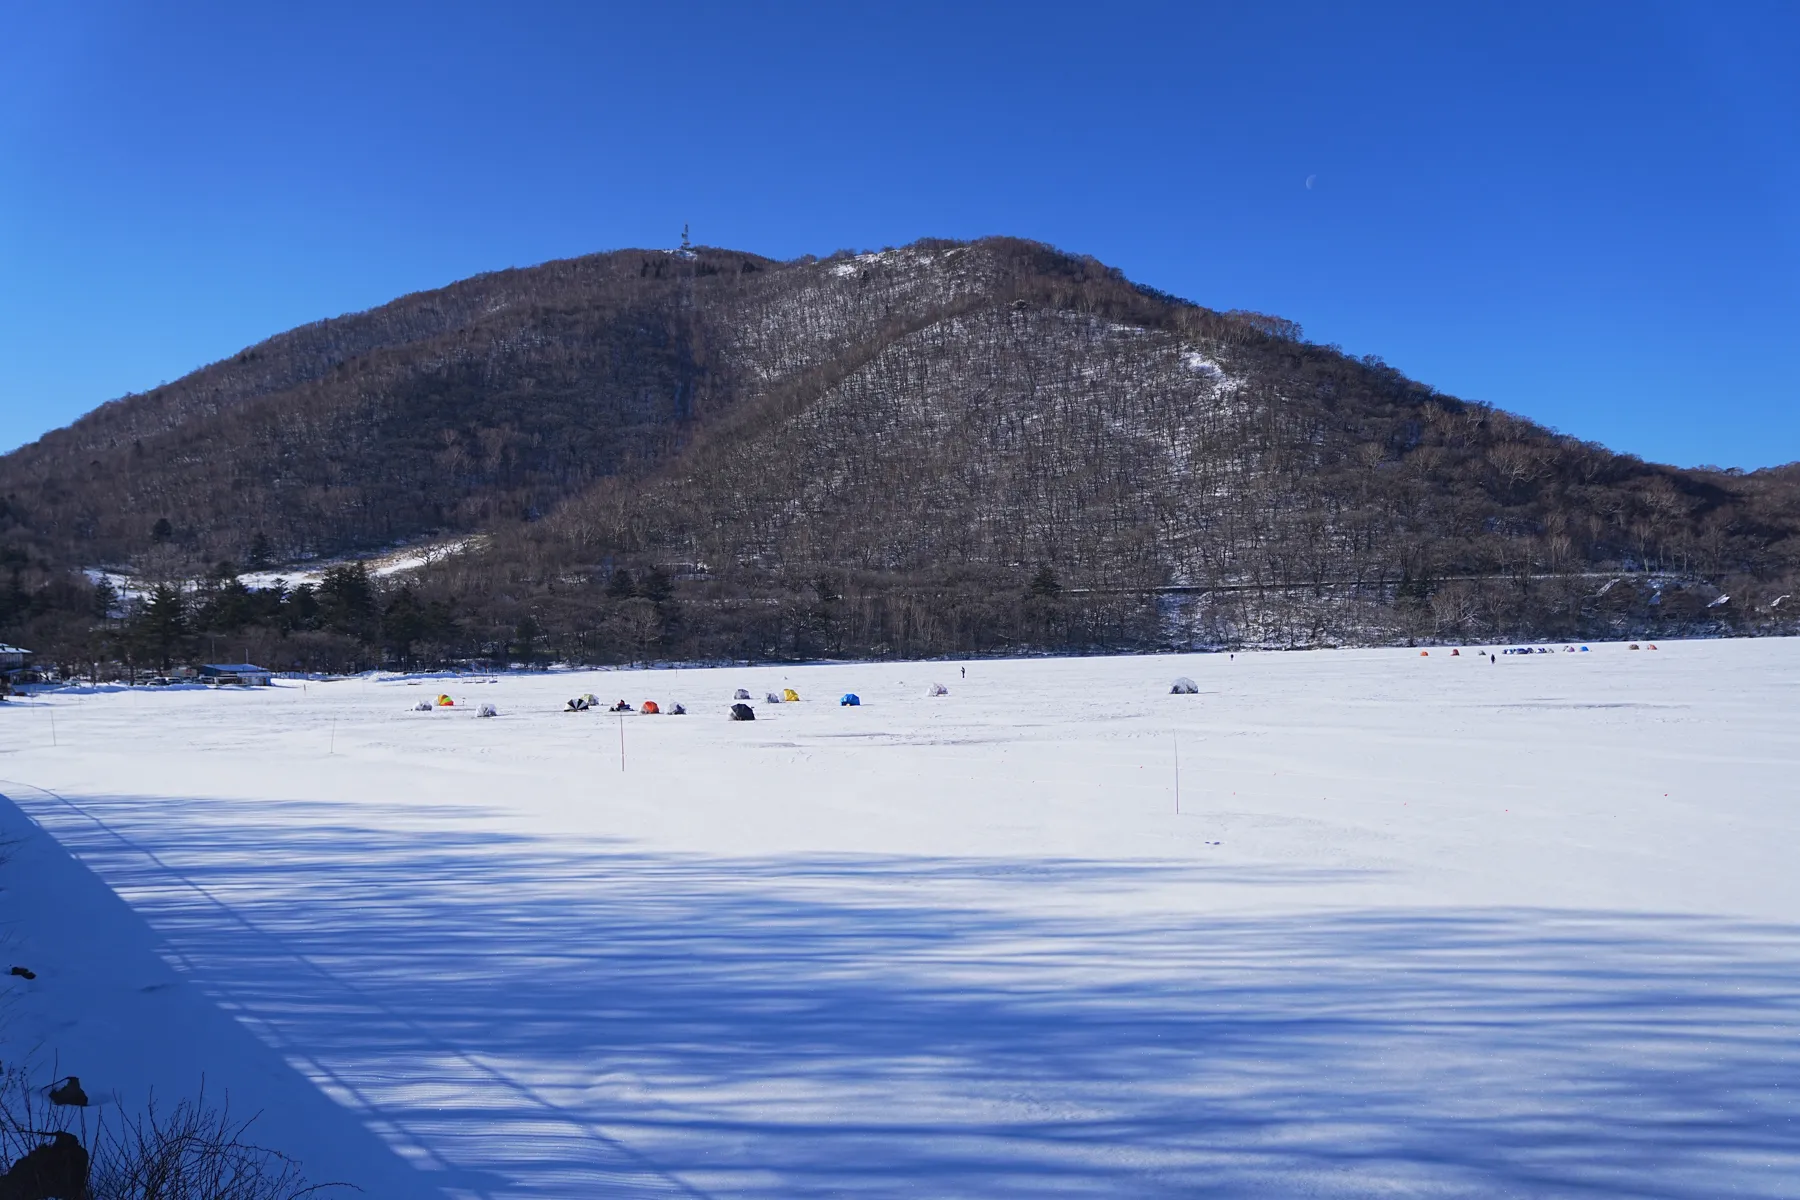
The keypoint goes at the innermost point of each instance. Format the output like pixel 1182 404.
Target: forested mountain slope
pixel 943 448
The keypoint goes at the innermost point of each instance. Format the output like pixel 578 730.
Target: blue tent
pixel 850 700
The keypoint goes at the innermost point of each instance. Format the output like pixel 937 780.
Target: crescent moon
pixel 1309 181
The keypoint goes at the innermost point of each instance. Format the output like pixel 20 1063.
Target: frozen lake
pixel 1423 926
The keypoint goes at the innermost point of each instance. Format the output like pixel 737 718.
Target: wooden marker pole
pixel 621 743
pixel 1177 740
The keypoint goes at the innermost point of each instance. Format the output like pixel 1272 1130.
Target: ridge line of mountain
pixel 944 447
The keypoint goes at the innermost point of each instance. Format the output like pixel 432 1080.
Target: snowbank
pixel 106 1006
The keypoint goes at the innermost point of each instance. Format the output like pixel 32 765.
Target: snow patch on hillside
pixel 844 268
pixel 413 557
pixel 1198 363
pixel 401 559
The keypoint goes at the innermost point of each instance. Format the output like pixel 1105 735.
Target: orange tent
pixel 650 707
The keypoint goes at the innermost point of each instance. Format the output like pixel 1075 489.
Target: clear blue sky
pixel 1583 213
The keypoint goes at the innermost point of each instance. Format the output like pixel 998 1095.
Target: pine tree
pixel 162 624
pixel 347 601
pixel 404 622
pixel 106 598
pixel 655 586
pixel 525 639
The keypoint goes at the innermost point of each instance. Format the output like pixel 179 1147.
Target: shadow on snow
pixel 539 1018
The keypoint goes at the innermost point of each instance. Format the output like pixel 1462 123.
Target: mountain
pixel 944 448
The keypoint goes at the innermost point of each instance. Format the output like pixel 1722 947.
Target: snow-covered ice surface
pixel 1424 926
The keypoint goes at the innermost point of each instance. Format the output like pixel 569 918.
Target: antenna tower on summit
pixel 687 247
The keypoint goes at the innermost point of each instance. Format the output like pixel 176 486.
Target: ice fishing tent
pixel 772 698
pixel 422 706
pixel 679 710
pixel 650 708
pixel 850 700
pixel 741 695
pixel 938 689
pixel 1185 687
pixel 742 712
pixel 790 695
pixel 445 702
pixel 487 710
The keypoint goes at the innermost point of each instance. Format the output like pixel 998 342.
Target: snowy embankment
pixel 1424 926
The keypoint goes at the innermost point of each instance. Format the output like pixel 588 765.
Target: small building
pixel 12 658
pixel 235 675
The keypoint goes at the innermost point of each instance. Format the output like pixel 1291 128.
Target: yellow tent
pixel 446 702
pixel 789 694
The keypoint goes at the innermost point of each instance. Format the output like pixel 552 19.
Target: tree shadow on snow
pixel 565 1016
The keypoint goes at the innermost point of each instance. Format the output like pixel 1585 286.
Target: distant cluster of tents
pixel 649 708
pixel 444 701
pixel 741 710
pixel 784 696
